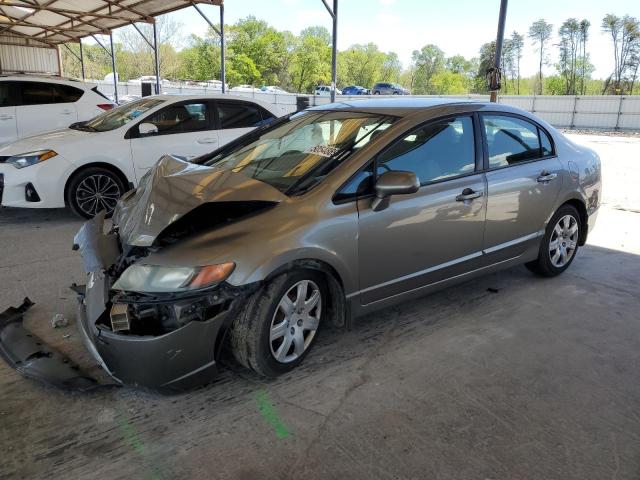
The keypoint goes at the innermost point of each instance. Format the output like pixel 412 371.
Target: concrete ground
pixel 537 381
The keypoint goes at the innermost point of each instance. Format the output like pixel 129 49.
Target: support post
pixel 223 71
pixel 573 113
pixel 334 52
pixel 619 113
pixel 113 67
pixel 220 32
pixel 81 59
pixel 155 54
pixel 499 42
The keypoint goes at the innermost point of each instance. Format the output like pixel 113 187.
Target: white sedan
pixel 89 165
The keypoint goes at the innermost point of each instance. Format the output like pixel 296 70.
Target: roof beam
pixel 65 12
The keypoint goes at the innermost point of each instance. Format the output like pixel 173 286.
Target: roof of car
pixel 221 96
pixel 394 105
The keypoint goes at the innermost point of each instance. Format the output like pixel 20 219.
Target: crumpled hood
pixel 56 140
pixel 172 188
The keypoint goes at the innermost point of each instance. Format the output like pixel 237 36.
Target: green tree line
pixel 258 54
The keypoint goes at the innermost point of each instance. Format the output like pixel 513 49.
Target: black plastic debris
pixel 30 356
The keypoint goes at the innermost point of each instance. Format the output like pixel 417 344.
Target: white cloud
pixel 386 3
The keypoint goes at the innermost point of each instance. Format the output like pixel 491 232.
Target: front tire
pixel 94 189
pixel 559 245
pixel 279 325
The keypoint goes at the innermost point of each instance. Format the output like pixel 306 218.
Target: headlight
pixel 30 158
pixel 154 279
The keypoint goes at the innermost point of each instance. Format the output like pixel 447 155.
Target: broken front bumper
pixel 176 360
pixel 31 357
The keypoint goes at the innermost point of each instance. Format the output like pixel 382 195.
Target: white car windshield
pixel 119 116
pixel 296 155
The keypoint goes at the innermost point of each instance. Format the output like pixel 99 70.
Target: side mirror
pixel 393 183
pixel 147 129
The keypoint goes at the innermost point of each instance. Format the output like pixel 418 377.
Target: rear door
pixel 235 118
pixel 184 128
pixel 8 130
pixel 435 233
pixel 524 180
pixel 45 106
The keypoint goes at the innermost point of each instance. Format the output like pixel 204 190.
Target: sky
pixel 401 26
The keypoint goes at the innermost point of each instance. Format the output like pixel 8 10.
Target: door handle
pixel 546 177
pixel 469 194
pixel 207 140
pixel 6 117
pixel 67 112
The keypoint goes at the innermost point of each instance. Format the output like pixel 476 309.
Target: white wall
pixel 20 55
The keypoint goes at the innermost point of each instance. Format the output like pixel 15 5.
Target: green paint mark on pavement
pixel 131 437
pixel 270 415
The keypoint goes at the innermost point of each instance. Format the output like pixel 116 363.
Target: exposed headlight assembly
pixel 156 279
pixel 30 158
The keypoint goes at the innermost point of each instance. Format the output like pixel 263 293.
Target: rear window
pixel 66 93
pixel 37 93
pixel 42 93
pixel 240 115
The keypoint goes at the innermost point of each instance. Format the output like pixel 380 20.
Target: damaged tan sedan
pixel 323 216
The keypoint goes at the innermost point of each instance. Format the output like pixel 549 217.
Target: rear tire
pixel 94 189
pixel 559 244
pixel 266 339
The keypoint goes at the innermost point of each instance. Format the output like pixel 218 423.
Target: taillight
pixel 105 106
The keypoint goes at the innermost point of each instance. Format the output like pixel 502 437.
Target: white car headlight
pixel 30 158
pixel 156 279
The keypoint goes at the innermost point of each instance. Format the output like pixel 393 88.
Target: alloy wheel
pixel 97 192
pixel 295 321
pixel 563 241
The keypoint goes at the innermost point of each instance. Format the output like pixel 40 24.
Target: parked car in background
pixel 382 88
pixel 323 91
pixel 355 90
pixel 33 104
pixel 89 165
pixel 414 196
pixel 246 88
pixel 273 89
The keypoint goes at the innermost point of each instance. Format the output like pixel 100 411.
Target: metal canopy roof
pixel 61 21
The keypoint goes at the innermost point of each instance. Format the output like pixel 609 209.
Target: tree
pixel 427 62
pixel 142 61
pixel 584 35
pixel 540 33
pixel 485 62
pixel 311 59
pixel 570 35
pixel 625 35
pixel 517 43
pixel 361 65
pixel 266 47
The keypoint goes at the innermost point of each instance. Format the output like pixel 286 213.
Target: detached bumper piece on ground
pixel 34 359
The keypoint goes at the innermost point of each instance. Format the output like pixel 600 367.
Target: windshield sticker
pixel 323 150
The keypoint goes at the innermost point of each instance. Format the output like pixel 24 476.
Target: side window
pixel 37 93
pixel 66 93
pixel 181 118
pixel 511 140
pixel 238 115
pixel 545 143
pixel 360 184
pixel 433 152
pixel 5 95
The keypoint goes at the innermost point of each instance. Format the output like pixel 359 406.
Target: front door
pixel 434 233
pixel 524 180
pixel 185 129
